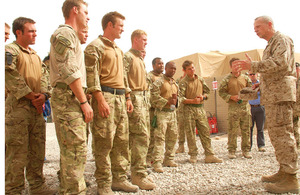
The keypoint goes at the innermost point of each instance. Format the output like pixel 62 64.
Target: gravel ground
pixel 237 176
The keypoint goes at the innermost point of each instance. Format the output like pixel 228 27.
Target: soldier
pixel 164 98
pixel 25 134
pixel 83 35
pixel 239 113
pixel 139 122
pixel 180 117
pixel 7 31
pixel 108 83
pixel 192 92
pixel 70 107
pixel 278 94
pixel 156 73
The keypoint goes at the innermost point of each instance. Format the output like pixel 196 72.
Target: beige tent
pixel 215 65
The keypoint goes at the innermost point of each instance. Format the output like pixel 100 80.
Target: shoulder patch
pixel 8 58
pixel 62 44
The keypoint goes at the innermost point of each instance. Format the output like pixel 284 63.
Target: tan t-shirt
pixel 136 71
pixel 28 64
pixel 103 58
pixel 236 84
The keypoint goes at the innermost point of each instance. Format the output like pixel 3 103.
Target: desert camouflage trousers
pixel 196 117
pixel 151 139
pixel 139 134
pixel 279 120
pixel 110 137
pixel 296 129
pixel 24 145
pixel 165 136
pixel 71 135
pixel 239 118
pixel 180 124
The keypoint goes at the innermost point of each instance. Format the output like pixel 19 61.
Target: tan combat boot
pixel 180 149
pixel 193 159
pixel 43 189
pixel 105 190
pixel 212 159
pixel 170 163
pixel 261 149
pixel 143 182
pixel 273 178
pixel 125 186
pixel 231 155
pixel 157 167
pixel 247 155
pixel 289 184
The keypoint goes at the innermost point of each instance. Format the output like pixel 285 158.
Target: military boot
pixel 43 189
pixel 125 186
pixel 193 159
pixel 170 163
pixel 212 159
pixel 231 155
pixel 105 190
pixel 289 184
pixel 157 167
pixel 273 178
pixel 247 155
pixel 180 149
pixel 143 182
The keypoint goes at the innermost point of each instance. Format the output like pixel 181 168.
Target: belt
pixel 195 105
pixel 112 90
pixel 65 86
pixel 138 92
pixel 258 105
pixel 167 110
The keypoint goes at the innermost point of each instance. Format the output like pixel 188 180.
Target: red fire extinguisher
pixel 212 121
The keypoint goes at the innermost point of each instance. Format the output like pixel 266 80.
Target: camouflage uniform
pixel 24 127
pixel 278 94
pixel 151 77
pixel 195 115
pixel 239 113
pixel 104 66
pixel 166 131
pixel 139 121
pixel 180 120
pixel 67 65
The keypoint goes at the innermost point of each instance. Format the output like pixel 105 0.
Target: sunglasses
pixel 251 74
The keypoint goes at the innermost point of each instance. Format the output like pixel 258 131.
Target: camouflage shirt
pixel 190 88
pixel 231 85
pixel 24 72
pixel 66 57
pixel 104 65
pixel 162 90
pixel 278 71
pixel 135 70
